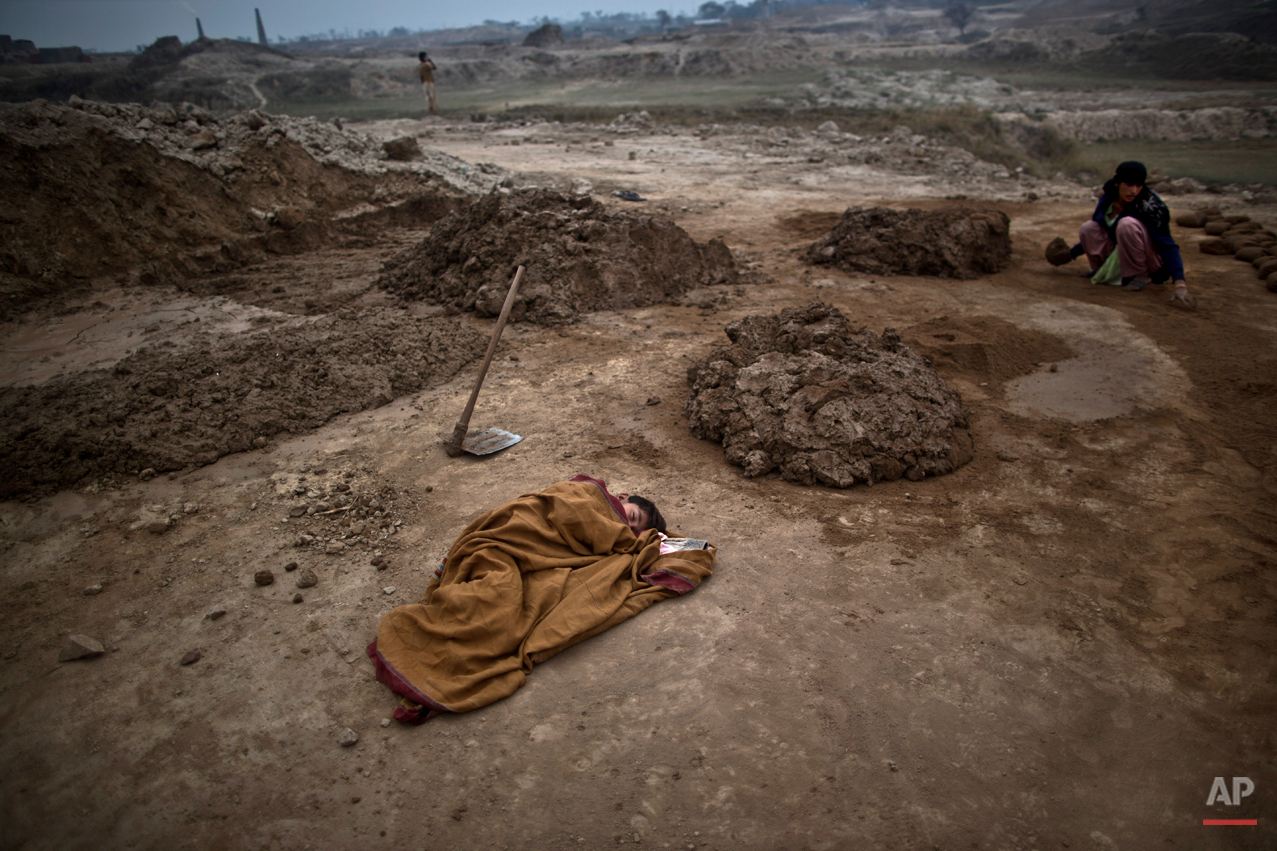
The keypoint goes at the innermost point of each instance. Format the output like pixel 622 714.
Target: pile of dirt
pixel 579 255
pixel 951 242
pixel 184 193
pixel 164 408
pixel 805 394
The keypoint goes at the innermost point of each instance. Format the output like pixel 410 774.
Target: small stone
pixel 334 548
pixel 80 647
pixel 93 590
pixel 385 722
pixel 290 567
pixel 653 400
pixel 388 590
pixel 347 737
pixel 298 598
pixel 264 577
pixel 402 149
pixel 307 578
pixel 297 511
pixel 202 140
pixel 215 613
pixel 147 474
pixel 190 657
pixel 191 508
pixel 376 561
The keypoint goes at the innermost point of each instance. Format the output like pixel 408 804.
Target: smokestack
pixel 261 30
pixel 199 27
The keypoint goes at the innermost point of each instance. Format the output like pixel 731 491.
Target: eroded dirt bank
pixel 1060 643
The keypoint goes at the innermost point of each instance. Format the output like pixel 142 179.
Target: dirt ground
pixel 1059 645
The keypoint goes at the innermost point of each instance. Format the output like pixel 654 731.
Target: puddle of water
pixel 1115 371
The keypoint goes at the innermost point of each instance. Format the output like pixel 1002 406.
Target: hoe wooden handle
pixel 453 446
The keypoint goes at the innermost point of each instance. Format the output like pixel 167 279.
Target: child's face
pixel 635 517
pixel 1128 191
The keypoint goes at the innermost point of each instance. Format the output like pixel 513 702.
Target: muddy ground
pixel 1058 645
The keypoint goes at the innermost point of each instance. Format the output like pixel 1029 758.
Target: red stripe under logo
pixel 1230 821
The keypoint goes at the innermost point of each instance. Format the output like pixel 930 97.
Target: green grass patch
pixel 1237 161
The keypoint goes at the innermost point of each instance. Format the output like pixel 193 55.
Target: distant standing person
pixel 426 70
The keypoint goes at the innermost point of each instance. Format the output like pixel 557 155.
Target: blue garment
pixel 1149 210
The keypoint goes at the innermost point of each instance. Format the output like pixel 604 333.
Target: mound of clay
pixel 183 192
pixel 1058 252
pixel 952 242
pixel 579 257
pixel 165 409
pixel 804 394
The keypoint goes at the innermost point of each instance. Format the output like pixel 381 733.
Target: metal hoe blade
pixel 488 441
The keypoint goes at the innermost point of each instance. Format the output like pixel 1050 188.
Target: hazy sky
pixel 112 25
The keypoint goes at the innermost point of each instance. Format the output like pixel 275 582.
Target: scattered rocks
pixel 347 737
pixel 216 613
pixel 298 598
pixel 264 577
pixel 388 590
pixel 80 647
pixel 93 590
pixel 290 567
pixel 804 394
pixel 950 242
pixel 307 578
pixel 190 657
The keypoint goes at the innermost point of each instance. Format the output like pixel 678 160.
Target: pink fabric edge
pixel 387 674
pixel 668 579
